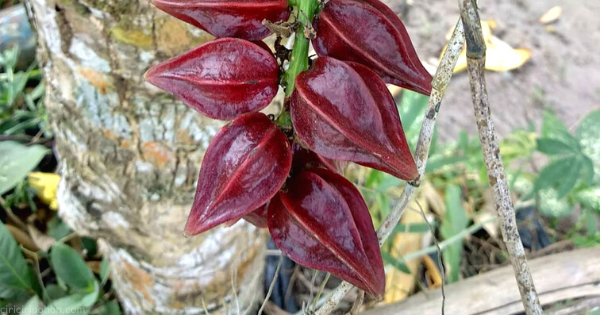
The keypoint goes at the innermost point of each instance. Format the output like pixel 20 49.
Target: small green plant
pixel 572 176
pixel 570 179
pixel 76 288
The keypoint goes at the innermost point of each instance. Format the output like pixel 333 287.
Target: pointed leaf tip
pixel 344 111
pixel 322 222
pixel 221 79
pixel 228 18
pixel 370 33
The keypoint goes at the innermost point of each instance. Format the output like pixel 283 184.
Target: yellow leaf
pixel 500 56
pixel 45 185
pixel 398 284
pixel 551 16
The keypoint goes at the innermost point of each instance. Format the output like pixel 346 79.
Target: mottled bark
pixel 130 154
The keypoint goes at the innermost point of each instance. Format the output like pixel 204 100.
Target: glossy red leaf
pixel 221 79
pixel 344 111
pixel 245 165
pixel 258 217
pixel 228 18
pixel 304 159
pixel 322 222
pixel 370 33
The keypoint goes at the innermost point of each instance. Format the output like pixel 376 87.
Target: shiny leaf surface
pixel 228 18
pixel 344 111
pixel 221 79
pixel 370 33
pixel 304 159
pixel 258 217
pixel 245 165
pixel 322 222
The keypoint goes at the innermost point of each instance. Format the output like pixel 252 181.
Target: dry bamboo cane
pixel 491 152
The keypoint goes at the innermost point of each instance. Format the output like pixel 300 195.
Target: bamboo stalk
pixel 493 160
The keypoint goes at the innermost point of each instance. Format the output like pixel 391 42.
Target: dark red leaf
pixel 228 18
pixel 245 165
pixel 258 217
pixel 344 111
pixel 370 33
pixel 322 222
pixel 303 159
pixel 221 79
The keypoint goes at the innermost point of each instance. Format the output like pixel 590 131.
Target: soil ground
pixel 562 74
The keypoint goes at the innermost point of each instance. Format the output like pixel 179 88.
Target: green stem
pixel 299 60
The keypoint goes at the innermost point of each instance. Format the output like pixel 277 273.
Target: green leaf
pixel 79 303
pixel 55 292
pixel 111 308
pixel 436 162
pixel 104 270
pixel 553 128
pixel 387 182
pixel 569 179
pixel 587 133
pixel 553 173
pixel 16 278
pixel 412 228
pixel 455 221
pixel 71 268
pixel 587 170
pixel 384 205
pixel 395 263
pixel 589 198
pixel 412 110
pixel 587 240
pixel 57 229
pixel 374 178
pixel 31 307
pixel 554 147
pixel 551 206
pixel 16 161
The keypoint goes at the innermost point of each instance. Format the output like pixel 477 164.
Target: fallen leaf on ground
pixel 500 56
pixel 552 15
pixel 399 284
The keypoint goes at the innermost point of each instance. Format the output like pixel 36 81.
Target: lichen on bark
pixel 130 155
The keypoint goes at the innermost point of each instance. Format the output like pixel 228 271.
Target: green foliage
pixel 71 268
pixel 16 161
pixel 32 306
pixel 72 287
pixel 16 278
pixel 455 222
pixel 569 178
pixel 110 308
pixel 21 106
pixel 57 229
pixel 77 288
pixel 401 266
pixel 81 302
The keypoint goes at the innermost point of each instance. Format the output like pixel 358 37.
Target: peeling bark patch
pixel 140 280
pixel 96 78
pixel 157 154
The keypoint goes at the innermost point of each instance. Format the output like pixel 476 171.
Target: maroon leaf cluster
pixel 289 179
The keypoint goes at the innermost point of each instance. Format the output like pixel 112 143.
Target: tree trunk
pixel 130 154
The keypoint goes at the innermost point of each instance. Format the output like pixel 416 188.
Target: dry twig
pixel 491 152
